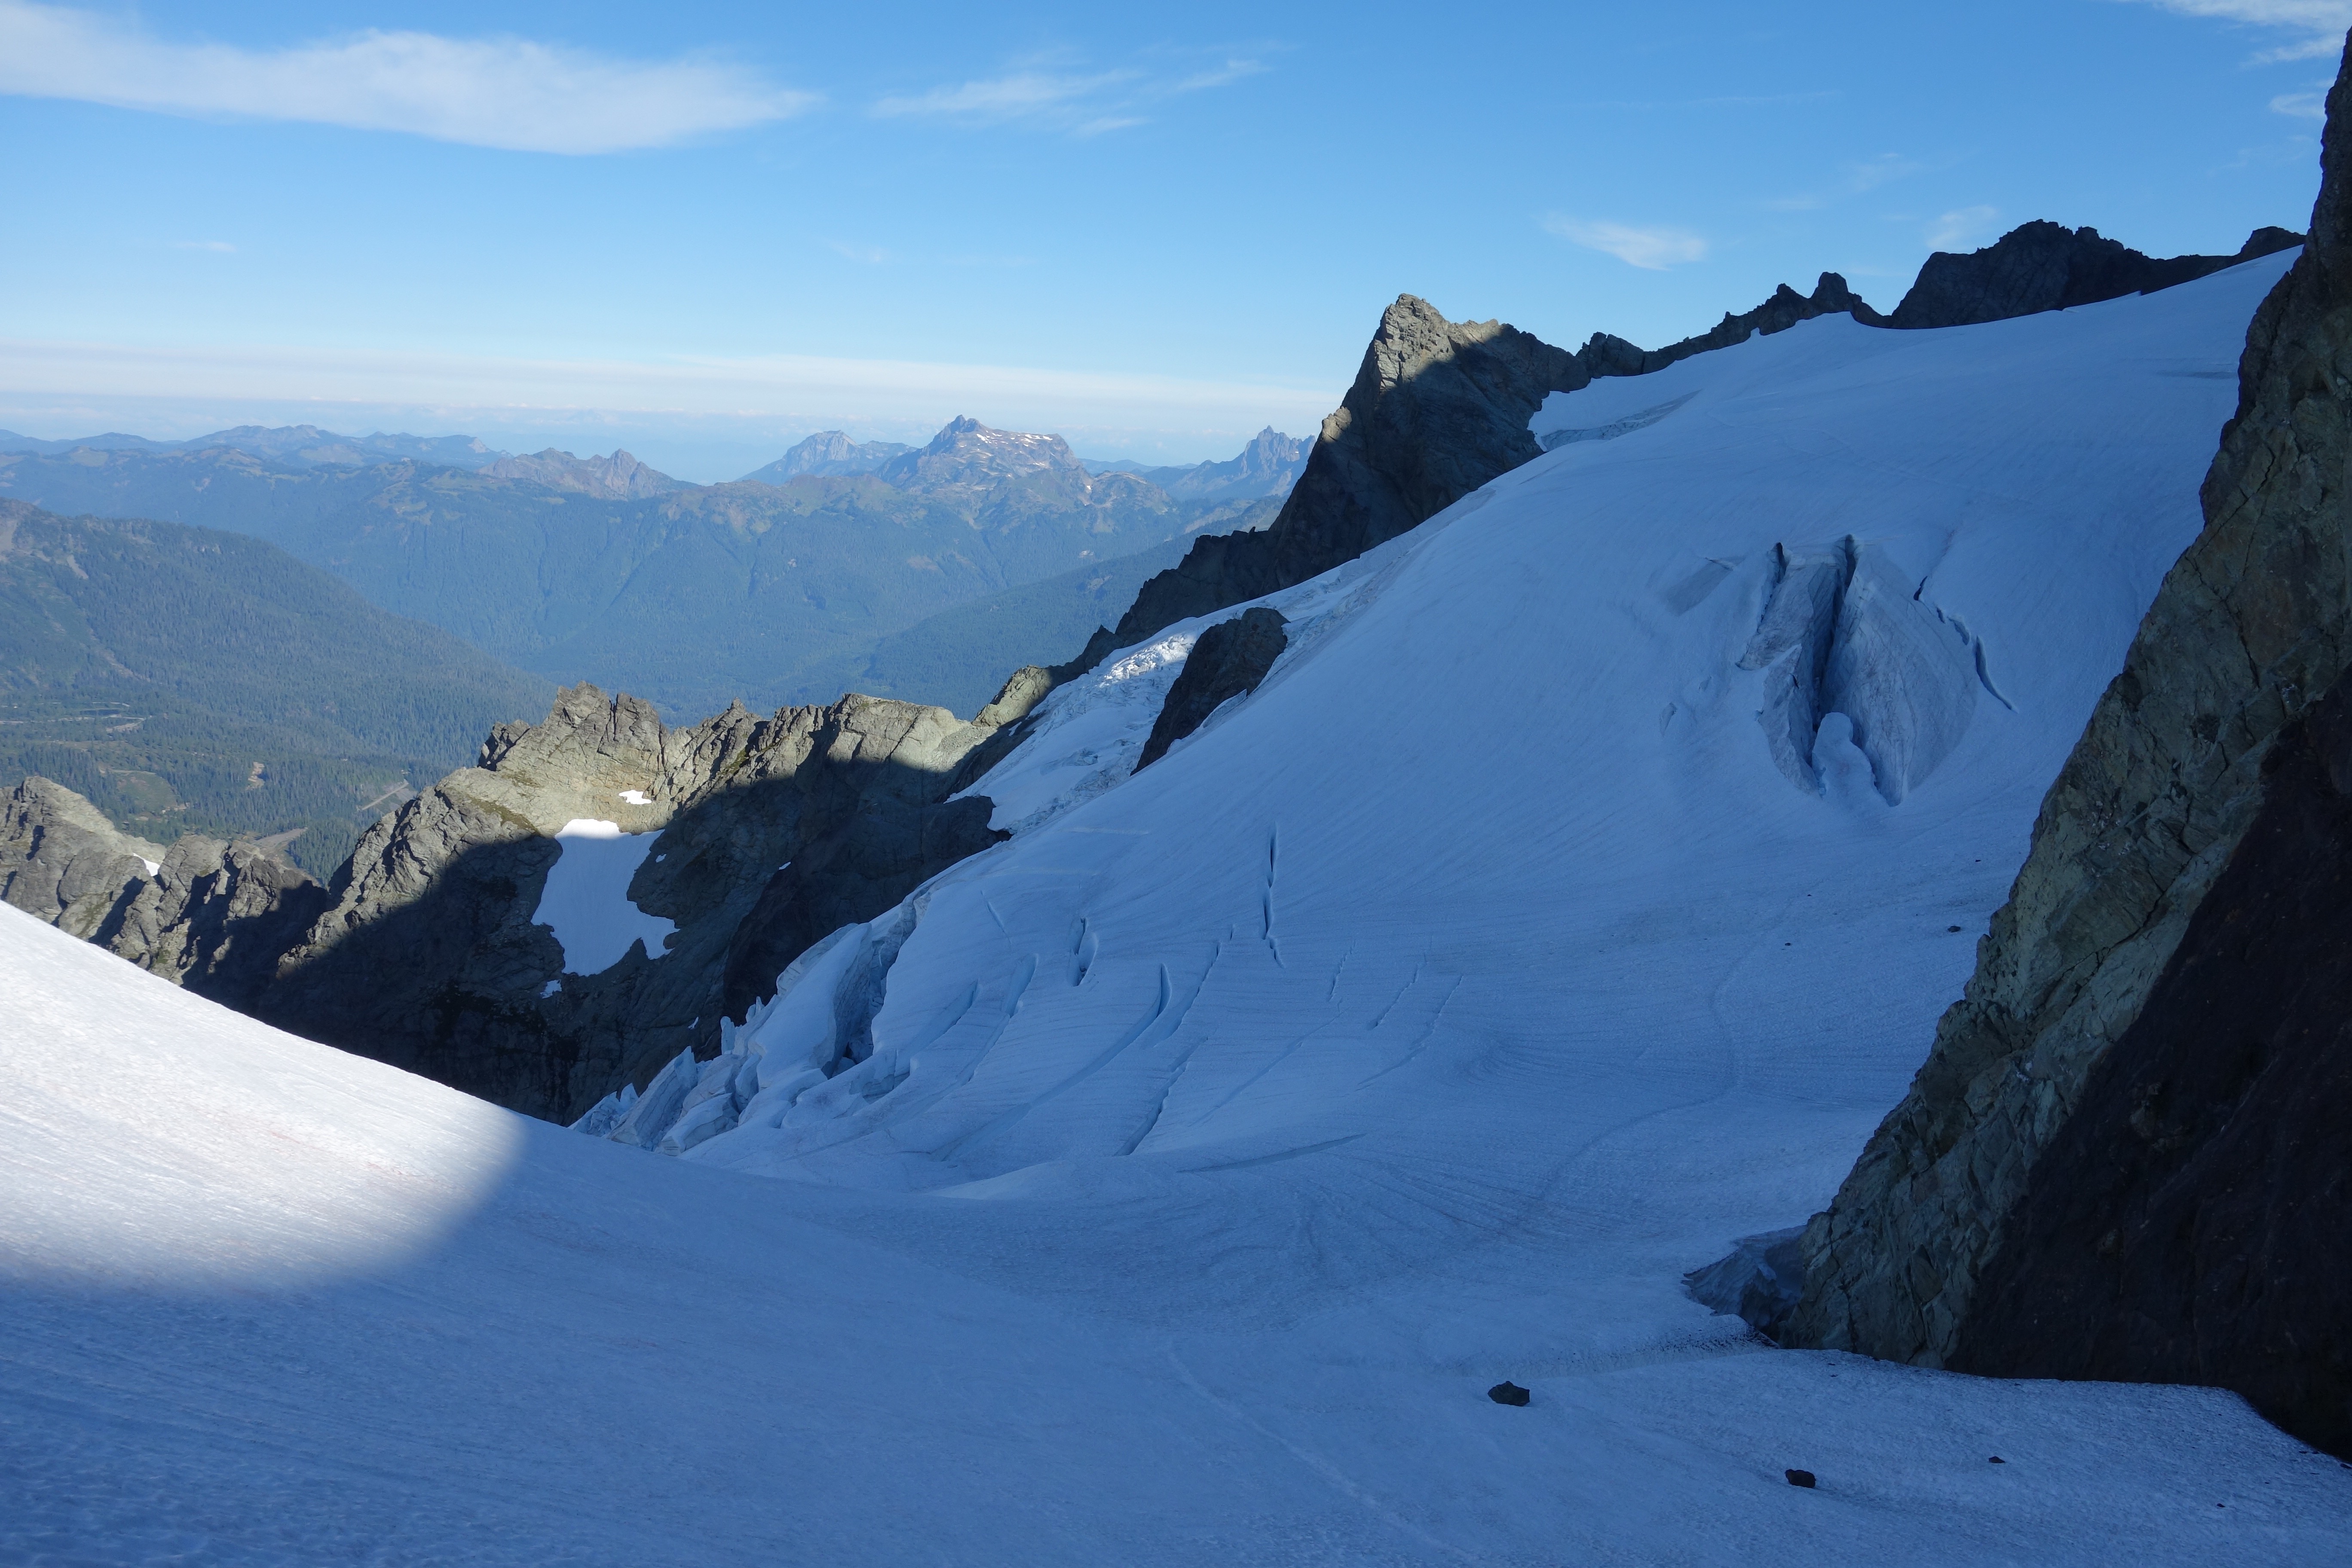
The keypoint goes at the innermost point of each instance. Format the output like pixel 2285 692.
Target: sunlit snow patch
pixel 636 797
pixel 586 903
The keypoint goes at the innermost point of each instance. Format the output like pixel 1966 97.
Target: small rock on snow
pixel 1800 1477
pixel 1507 1392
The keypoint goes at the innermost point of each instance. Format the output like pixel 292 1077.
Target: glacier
pixel 1168 1183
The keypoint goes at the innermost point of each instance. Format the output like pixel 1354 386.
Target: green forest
pixel 185 679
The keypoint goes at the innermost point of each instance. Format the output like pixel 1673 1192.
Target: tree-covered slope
pixel 187 678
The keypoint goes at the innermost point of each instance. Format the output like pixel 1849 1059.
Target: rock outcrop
pixel 2041 266
pixel 62 861
pixel 1438 408
pixel 211 916
pixel 1228 660
pixel 772 833
pixel 2124 1154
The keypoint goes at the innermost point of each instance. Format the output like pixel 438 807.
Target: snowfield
pixel 586 900
pixel 1168 1185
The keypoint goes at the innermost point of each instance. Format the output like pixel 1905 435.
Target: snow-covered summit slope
pixel 1622 830
pixel 1206 1150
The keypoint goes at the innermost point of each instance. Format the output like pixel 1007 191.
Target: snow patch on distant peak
pixel 636 797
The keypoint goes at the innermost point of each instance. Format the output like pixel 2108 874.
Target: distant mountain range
pixel 288 446
pixel 618 477
pixel 773 591
pixel 1268 466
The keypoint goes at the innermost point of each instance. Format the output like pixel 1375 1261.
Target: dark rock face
pixel 2189 1222
pixel 210 916
pixel 2039 267
pixel 216 916
pixel 63 862
pixel 1507 1392
pixel 1605 355
pixel 430 960
pixel 2130 1128
pixel 1230 658
pixel 1438 408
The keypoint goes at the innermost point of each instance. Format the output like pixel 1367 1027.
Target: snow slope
pixel 1167 1185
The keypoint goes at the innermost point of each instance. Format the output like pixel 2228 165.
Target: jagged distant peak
pixel 618 477
pixel 966 453
pixel 828 454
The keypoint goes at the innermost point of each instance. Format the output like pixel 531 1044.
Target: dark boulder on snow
pixel 2043 266
pixel 1507 1392
pixel 1805 1479
pixel 1230 658
pixel 2124 1156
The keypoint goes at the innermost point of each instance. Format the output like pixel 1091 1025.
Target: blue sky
pixel 705 230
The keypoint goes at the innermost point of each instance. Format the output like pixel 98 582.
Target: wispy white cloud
pixel 871 255
pixel 1232 70
pixel 1965 226
pixel 222 245
pixel 2301 105
pixel 1887 167
pixel 1021 95
pixel 1654 249
pixel 1082 103
pixel 2324 22
pixel 505 92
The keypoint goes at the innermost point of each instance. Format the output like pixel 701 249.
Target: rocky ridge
pixel 2113 1161
pixel 209 915
pixel 425 950
pixel 1439 408
pixel 828 454
pixel 2041 266
pixel 618 477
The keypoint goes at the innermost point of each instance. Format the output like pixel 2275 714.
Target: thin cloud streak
pixel 1651 249
pixel 1014 97
pixel 752 386
pixel 512 94
pixel 1080 103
